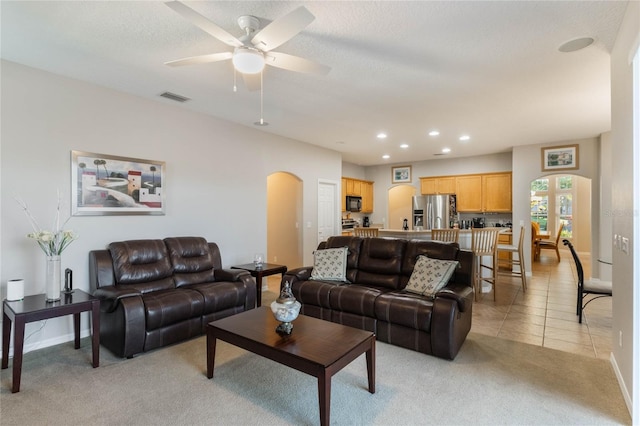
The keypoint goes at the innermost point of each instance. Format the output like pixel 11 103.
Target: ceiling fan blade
pixel 252 81
pixel 202 59
pixel 295 63
pixel 204 23
pixel 282 29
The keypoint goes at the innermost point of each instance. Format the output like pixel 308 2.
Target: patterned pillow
pixel 330 264
pixel 430 275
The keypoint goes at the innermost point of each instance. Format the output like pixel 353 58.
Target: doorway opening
pixel 400 205
pixel 563 199
pixel 284 218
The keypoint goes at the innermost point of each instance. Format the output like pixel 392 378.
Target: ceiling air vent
pixel 174 97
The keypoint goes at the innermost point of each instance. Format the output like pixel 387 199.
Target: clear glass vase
pixel 53 281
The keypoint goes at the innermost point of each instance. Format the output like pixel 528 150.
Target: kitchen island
pixel 464 237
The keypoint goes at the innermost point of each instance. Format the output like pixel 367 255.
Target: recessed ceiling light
pixel 382 135
pixel 465 137
pixel 446 150
pixel 386 156
pixel 434 133
pixel 576 44
pixel 404 146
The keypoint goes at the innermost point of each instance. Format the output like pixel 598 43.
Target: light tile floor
pixel 546 314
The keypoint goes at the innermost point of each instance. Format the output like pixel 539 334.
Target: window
pixel 552 204
pixel 540 202
pixel 564 204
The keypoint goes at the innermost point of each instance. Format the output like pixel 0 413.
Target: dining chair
pixel 512 262
pixel 445 235
pixel 586 287
pixel 365 232
pixel 484 243
pixel 550 245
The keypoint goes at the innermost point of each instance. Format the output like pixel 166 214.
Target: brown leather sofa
pixel 157 292
pixel 378 270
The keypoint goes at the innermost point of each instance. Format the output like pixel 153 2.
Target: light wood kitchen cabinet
pixel 469 193
pixel 496 192
pixel 354 187
pixel 367 197
pixel 438 185
pixel 358 188
pixel 490 193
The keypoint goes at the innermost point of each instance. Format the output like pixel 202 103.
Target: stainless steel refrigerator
pixel 433 211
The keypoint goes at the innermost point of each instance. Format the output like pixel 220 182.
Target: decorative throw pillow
pixel 430 275
pixel 330 264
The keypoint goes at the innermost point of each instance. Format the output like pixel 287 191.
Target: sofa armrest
pixel 110 295
pixel 460 293
pixel 298 274
pixel 229 274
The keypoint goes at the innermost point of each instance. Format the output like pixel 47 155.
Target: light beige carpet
pixel 492 381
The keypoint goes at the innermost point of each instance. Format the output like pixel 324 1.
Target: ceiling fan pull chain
pixel 235 86
pixel 261 100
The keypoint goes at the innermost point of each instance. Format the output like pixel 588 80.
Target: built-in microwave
pixel 354 204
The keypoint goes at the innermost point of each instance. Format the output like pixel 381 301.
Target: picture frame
pixel 103 185
pixel 401 174
pixel 560 158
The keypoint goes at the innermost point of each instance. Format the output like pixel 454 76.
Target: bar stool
pixel 445 235
pixel 513 250
pixel 484 243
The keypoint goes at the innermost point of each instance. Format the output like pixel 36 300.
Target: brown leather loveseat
pixel 157 292
pixel 375 299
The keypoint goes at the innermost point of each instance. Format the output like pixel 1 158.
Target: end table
pixel 36 308
pixel 258 273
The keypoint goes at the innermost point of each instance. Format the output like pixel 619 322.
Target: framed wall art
pixel 104 184
pixel 560 158
pixel 401 174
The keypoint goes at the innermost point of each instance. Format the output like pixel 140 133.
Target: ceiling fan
pixel 253 50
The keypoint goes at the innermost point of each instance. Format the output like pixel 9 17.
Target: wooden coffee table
pixel 316 347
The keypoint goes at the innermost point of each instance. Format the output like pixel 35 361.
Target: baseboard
pixel 623 386
pixel 40 344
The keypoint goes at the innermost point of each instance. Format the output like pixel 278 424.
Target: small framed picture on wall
pixel 560 158
pixel 401 174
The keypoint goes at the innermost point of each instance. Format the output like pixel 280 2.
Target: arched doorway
pixel 284 219
pixel 400 205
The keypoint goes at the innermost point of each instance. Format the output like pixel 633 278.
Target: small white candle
pixel 15 290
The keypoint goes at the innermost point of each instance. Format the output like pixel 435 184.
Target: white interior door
pixel 327 210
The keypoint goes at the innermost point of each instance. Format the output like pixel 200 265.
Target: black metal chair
pixel 592 286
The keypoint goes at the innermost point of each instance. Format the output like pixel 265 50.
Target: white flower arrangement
pixel 52 242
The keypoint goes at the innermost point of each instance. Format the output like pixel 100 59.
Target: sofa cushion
pixel 430 275
pixel 405 309
pixel 355 299
pixel 163 308
pixel 191 259
pixel 330 264
pixel 354 244
pixel 144 264
pixel 220 296
pixel 380 262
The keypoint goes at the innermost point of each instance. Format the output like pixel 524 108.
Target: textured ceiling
pixel 487 69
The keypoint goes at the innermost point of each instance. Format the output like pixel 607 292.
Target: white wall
pixel 527 167
pixel 216 175
pixel 626 285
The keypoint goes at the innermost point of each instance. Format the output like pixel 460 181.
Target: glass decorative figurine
pixel 285 309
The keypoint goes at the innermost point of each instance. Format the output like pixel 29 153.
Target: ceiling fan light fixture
pixel 248 60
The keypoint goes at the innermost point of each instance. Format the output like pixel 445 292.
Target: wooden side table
pixel 36 308
pixel 258 273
